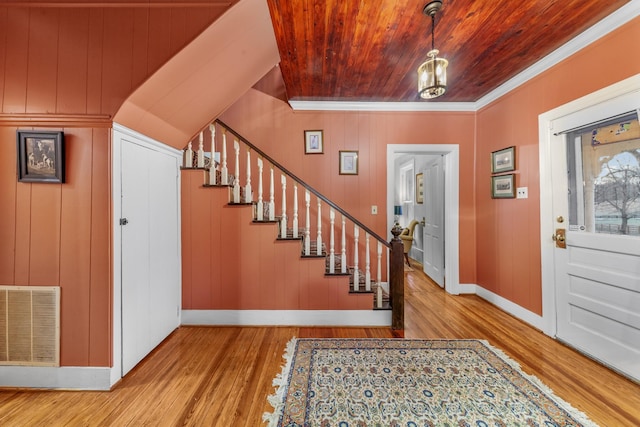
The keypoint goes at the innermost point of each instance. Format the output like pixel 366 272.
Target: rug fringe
pixel 280 382
pixel 580 416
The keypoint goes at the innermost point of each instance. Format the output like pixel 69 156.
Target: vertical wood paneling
pixel 186 236
pixel 44 250
pixel 95 60
pixel 200 214
pixel 22 258
pixel 101 304
pixel 140 66
pixel 159 39
pixel 8 204
pixel 117 58
pixel 43 58
pixel 3 50
pixel 72 63
pixel 17 48
pixel 75 248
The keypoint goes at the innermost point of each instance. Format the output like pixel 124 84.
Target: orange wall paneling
pixel 276 129
pixel 231 264
pixel 71 66
pixel 508 239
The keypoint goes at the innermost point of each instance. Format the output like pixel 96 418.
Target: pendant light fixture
pixel 432 74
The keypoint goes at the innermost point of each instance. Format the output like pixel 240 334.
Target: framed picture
pixel 348 163
pixel 313 142
pixel 503 186
pixel 503 160
pixel 420 188
pixel 40 156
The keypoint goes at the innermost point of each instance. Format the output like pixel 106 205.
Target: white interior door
pixel 432 231
pixel 596 205
pixel 150 250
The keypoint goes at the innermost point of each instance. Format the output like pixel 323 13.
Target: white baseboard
pixel 513 309
pixel 287 317
pixel 65 377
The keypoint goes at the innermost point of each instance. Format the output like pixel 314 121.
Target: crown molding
pixel 610 23
pixel 380 106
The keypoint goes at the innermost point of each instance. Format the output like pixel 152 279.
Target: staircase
pixel 247 180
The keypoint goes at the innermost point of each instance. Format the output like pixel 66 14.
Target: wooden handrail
pixel 305 185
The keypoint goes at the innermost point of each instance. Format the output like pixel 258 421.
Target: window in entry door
pixel 603 164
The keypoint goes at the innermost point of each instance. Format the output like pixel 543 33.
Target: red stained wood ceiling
pixel 369 50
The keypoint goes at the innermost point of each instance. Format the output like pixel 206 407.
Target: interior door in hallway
pixel 433 238
pixel 596 206
pixel 150 250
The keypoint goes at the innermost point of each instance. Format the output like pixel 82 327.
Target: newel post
pixel 396 280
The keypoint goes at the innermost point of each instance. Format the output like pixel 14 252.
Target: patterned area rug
pixel 410 383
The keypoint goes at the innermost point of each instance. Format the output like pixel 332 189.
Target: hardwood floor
pixel 206 376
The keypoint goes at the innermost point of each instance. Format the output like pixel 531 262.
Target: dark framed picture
pixel 313 143
pixel 420 188
pixel 503 160
pixel 348 163
pixel 503 186
pixel 40 156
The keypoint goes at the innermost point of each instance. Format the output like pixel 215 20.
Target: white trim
pixel 604 98
pixel 380 106
pixel 605 26
pixel 66 377
pixel 287 317
pixel 504 304
pixel 451 203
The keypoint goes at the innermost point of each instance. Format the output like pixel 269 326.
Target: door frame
pixel 625 92
pixel 451 160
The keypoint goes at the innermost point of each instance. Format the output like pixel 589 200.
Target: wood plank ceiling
pixel 366 50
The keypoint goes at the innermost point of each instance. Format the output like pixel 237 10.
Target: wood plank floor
pixel 205 376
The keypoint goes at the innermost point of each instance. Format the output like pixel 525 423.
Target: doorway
pixel 590 187
pixel 449 154
pixel 146 248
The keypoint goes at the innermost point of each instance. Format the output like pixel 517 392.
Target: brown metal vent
pixel 30 325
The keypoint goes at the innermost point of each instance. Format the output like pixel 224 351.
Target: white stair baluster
pixel 236 180
pixel 379 271
pixel 272 203
pixel 343 255
pixel 295 210
pixel 379 296
pixel 332 250
pixel 224 172
pixel 367 259
pixel 188 156
pixel 212 165
pixel 259 205
pixel 283 220
pixel 319 239
pixel 201 150
pixel 356 273
pixel 307 231
pixel 248 193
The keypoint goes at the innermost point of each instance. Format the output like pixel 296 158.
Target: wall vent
pixel 30 325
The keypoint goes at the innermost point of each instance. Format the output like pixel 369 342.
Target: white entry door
pixel 432 232
pixel 150 250
pixel 595 168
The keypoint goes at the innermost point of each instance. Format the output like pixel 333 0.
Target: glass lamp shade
pixel 432 76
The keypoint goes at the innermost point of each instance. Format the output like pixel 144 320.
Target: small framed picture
pixel 40 156
pixel 313 143
pixel 503 186
pixel 420 188
pixel 348 163
pixel 503 160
